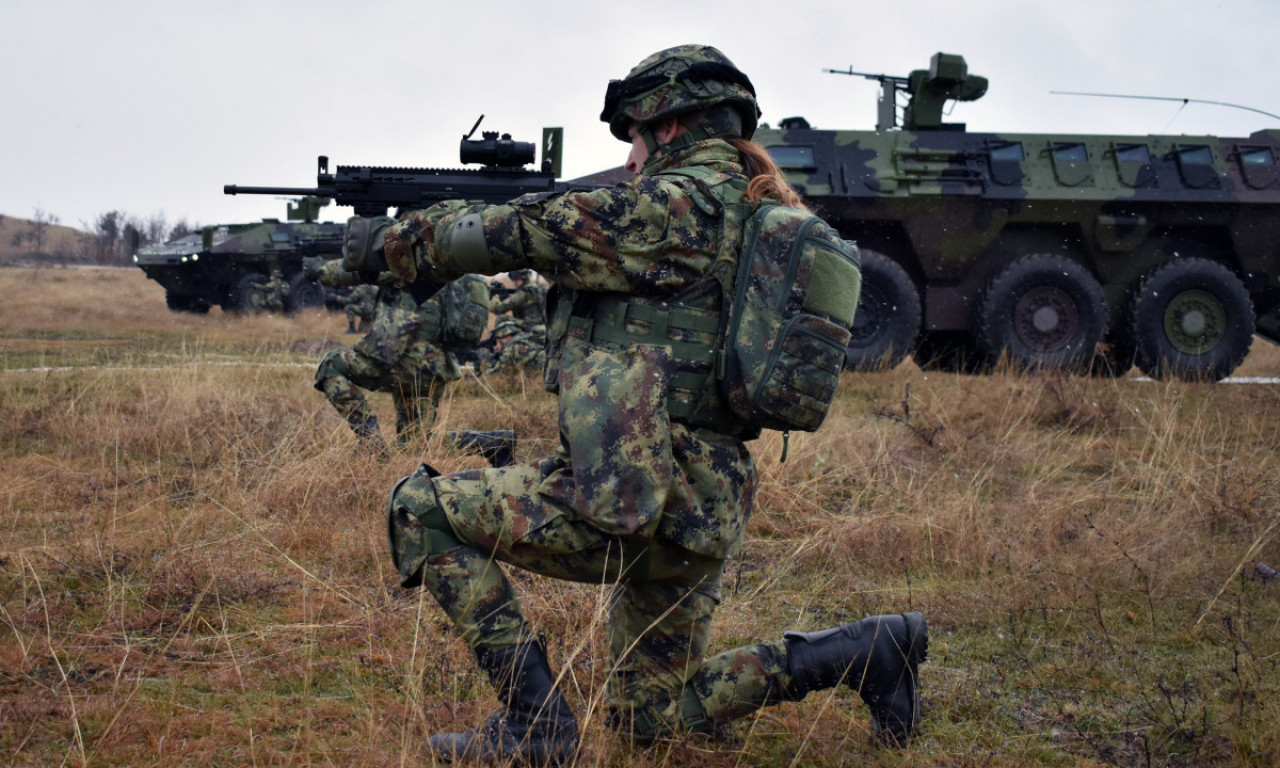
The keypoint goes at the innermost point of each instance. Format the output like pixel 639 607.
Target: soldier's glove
pixel 362 244
pixel 312 267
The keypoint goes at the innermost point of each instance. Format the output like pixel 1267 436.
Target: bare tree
pixel 155 228
pixel 40 222
pixel 181 229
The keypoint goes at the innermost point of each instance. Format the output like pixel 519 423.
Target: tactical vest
pixel 765 348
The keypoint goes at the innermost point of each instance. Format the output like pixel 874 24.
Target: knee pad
pixel 331 367
pixel 417 525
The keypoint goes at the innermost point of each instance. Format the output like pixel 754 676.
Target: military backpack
pixel 466 311
pixel 791 302
pixel 790 313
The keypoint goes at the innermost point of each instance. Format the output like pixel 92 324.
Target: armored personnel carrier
pixel 1079 252
pixel 221 264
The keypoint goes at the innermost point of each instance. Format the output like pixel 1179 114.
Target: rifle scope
pixel 492 150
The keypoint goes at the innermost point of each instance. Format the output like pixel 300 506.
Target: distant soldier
pixel 525 301
pixel 514 347
pixel 360 306
pixel 400 355
pixel 271 295
pixel 404 353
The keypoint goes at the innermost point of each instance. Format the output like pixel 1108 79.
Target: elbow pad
pixel 464 245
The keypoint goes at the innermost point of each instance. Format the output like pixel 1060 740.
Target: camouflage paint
pixel 954 208
pixel 217 266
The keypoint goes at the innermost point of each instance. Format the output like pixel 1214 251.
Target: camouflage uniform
pixel 269 296
pixel 400 354
pixel 360 306
pixel 515 347
pixel 652 485
pixel 631 496
pixel 526 303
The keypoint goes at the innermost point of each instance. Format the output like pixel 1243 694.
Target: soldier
pixel 525 301
pixel 512 346
pixel 271 295
pixel 402 354
pixel 360 306
pixel 647 491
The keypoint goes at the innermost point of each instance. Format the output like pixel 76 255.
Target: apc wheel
pixel 1042 311
pixel 239 298
pixel 1191 319
pixel 887 320
pixel 949 351
pixel 304 294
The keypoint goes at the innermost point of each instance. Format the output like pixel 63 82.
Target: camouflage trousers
pixel 415 392
pixel 448 534
pixel 357 317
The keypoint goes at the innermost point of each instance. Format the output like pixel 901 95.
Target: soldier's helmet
pixel 685 78
pixel 505 328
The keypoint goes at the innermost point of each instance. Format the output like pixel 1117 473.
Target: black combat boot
pixel 351 327
pixel 535 725
pixel 497 446
pixel 877 657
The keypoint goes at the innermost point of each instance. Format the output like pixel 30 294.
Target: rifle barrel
pixel 232 189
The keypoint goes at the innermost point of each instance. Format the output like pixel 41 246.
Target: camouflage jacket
pixel 624 464
pixel 362 299
pixel 406 330
pixel 527 304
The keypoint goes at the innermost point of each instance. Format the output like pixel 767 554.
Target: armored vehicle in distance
pixel 1079 252
pixel 221 264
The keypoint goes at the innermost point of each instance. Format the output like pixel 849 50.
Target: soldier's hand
pixel 362 244
pixel 312 267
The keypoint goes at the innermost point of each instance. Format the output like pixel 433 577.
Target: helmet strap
pixel 687 139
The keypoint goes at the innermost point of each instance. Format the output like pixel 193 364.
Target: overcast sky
pixel 150 107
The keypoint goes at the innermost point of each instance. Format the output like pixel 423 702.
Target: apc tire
pixel 238 299
pixel 1042 311
pixel 887 320
pixel 949 352
pixel 304 294
pixel 1191 319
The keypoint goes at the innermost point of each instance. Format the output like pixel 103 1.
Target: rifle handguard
pixel 362 244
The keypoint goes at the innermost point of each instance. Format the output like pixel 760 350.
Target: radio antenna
pixel 1184 101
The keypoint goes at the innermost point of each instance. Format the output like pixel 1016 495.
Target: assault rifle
pixel 372 190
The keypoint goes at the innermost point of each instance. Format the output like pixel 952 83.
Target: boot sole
pixel 915 651
pixel 917 639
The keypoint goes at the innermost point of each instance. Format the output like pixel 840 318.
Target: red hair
pixel 766 179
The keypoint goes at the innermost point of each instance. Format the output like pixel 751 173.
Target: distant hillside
pixel 59 244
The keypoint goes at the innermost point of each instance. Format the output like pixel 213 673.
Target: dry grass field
pixel 194 571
